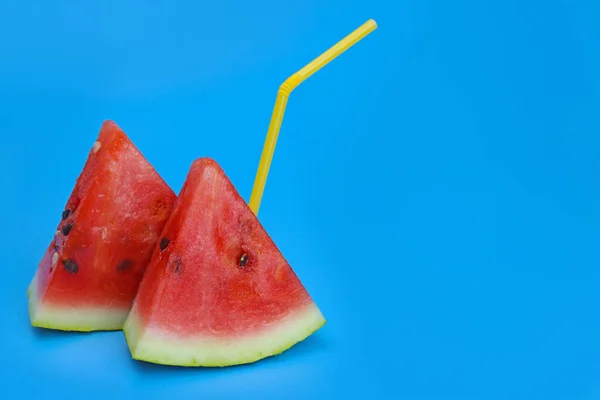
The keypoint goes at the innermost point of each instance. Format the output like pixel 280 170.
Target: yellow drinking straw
pixel 282 96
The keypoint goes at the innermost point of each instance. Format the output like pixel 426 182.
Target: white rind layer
pixel 67 318
pixel 154 345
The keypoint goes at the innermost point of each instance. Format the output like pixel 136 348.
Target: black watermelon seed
pixel 125 265
pixel 55 248
pixel 67 228
pixel 164 242
pixel 70 266
pixel 65 214
pixel 243 260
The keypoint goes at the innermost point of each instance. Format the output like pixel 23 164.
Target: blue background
pixel 436 188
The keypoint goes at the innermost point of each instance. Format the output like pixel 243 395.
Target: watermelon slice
pixel 91 270
pixel 217 292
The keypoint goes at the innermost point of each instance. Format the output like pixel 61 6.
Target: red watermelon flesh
pixel 218 291
pixel 89 275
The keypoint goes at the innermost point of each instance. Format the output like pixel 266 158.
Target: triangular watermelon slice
pixel 90 273
pixel 217 292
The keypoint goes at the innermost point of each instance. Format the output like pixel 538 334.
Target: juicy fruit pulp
pixel 217 292
pixel 89 275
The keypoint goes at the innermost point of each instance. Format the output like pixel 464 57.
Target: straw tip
pixel 372 23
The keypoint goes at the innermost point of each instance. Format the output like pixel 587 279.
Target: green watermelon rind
pixel 72 319
pixel 158 347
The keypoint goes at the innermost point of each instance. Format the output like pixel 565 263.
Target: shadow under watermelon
pixel 57 336
pixel 312 345
pixel 50 334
